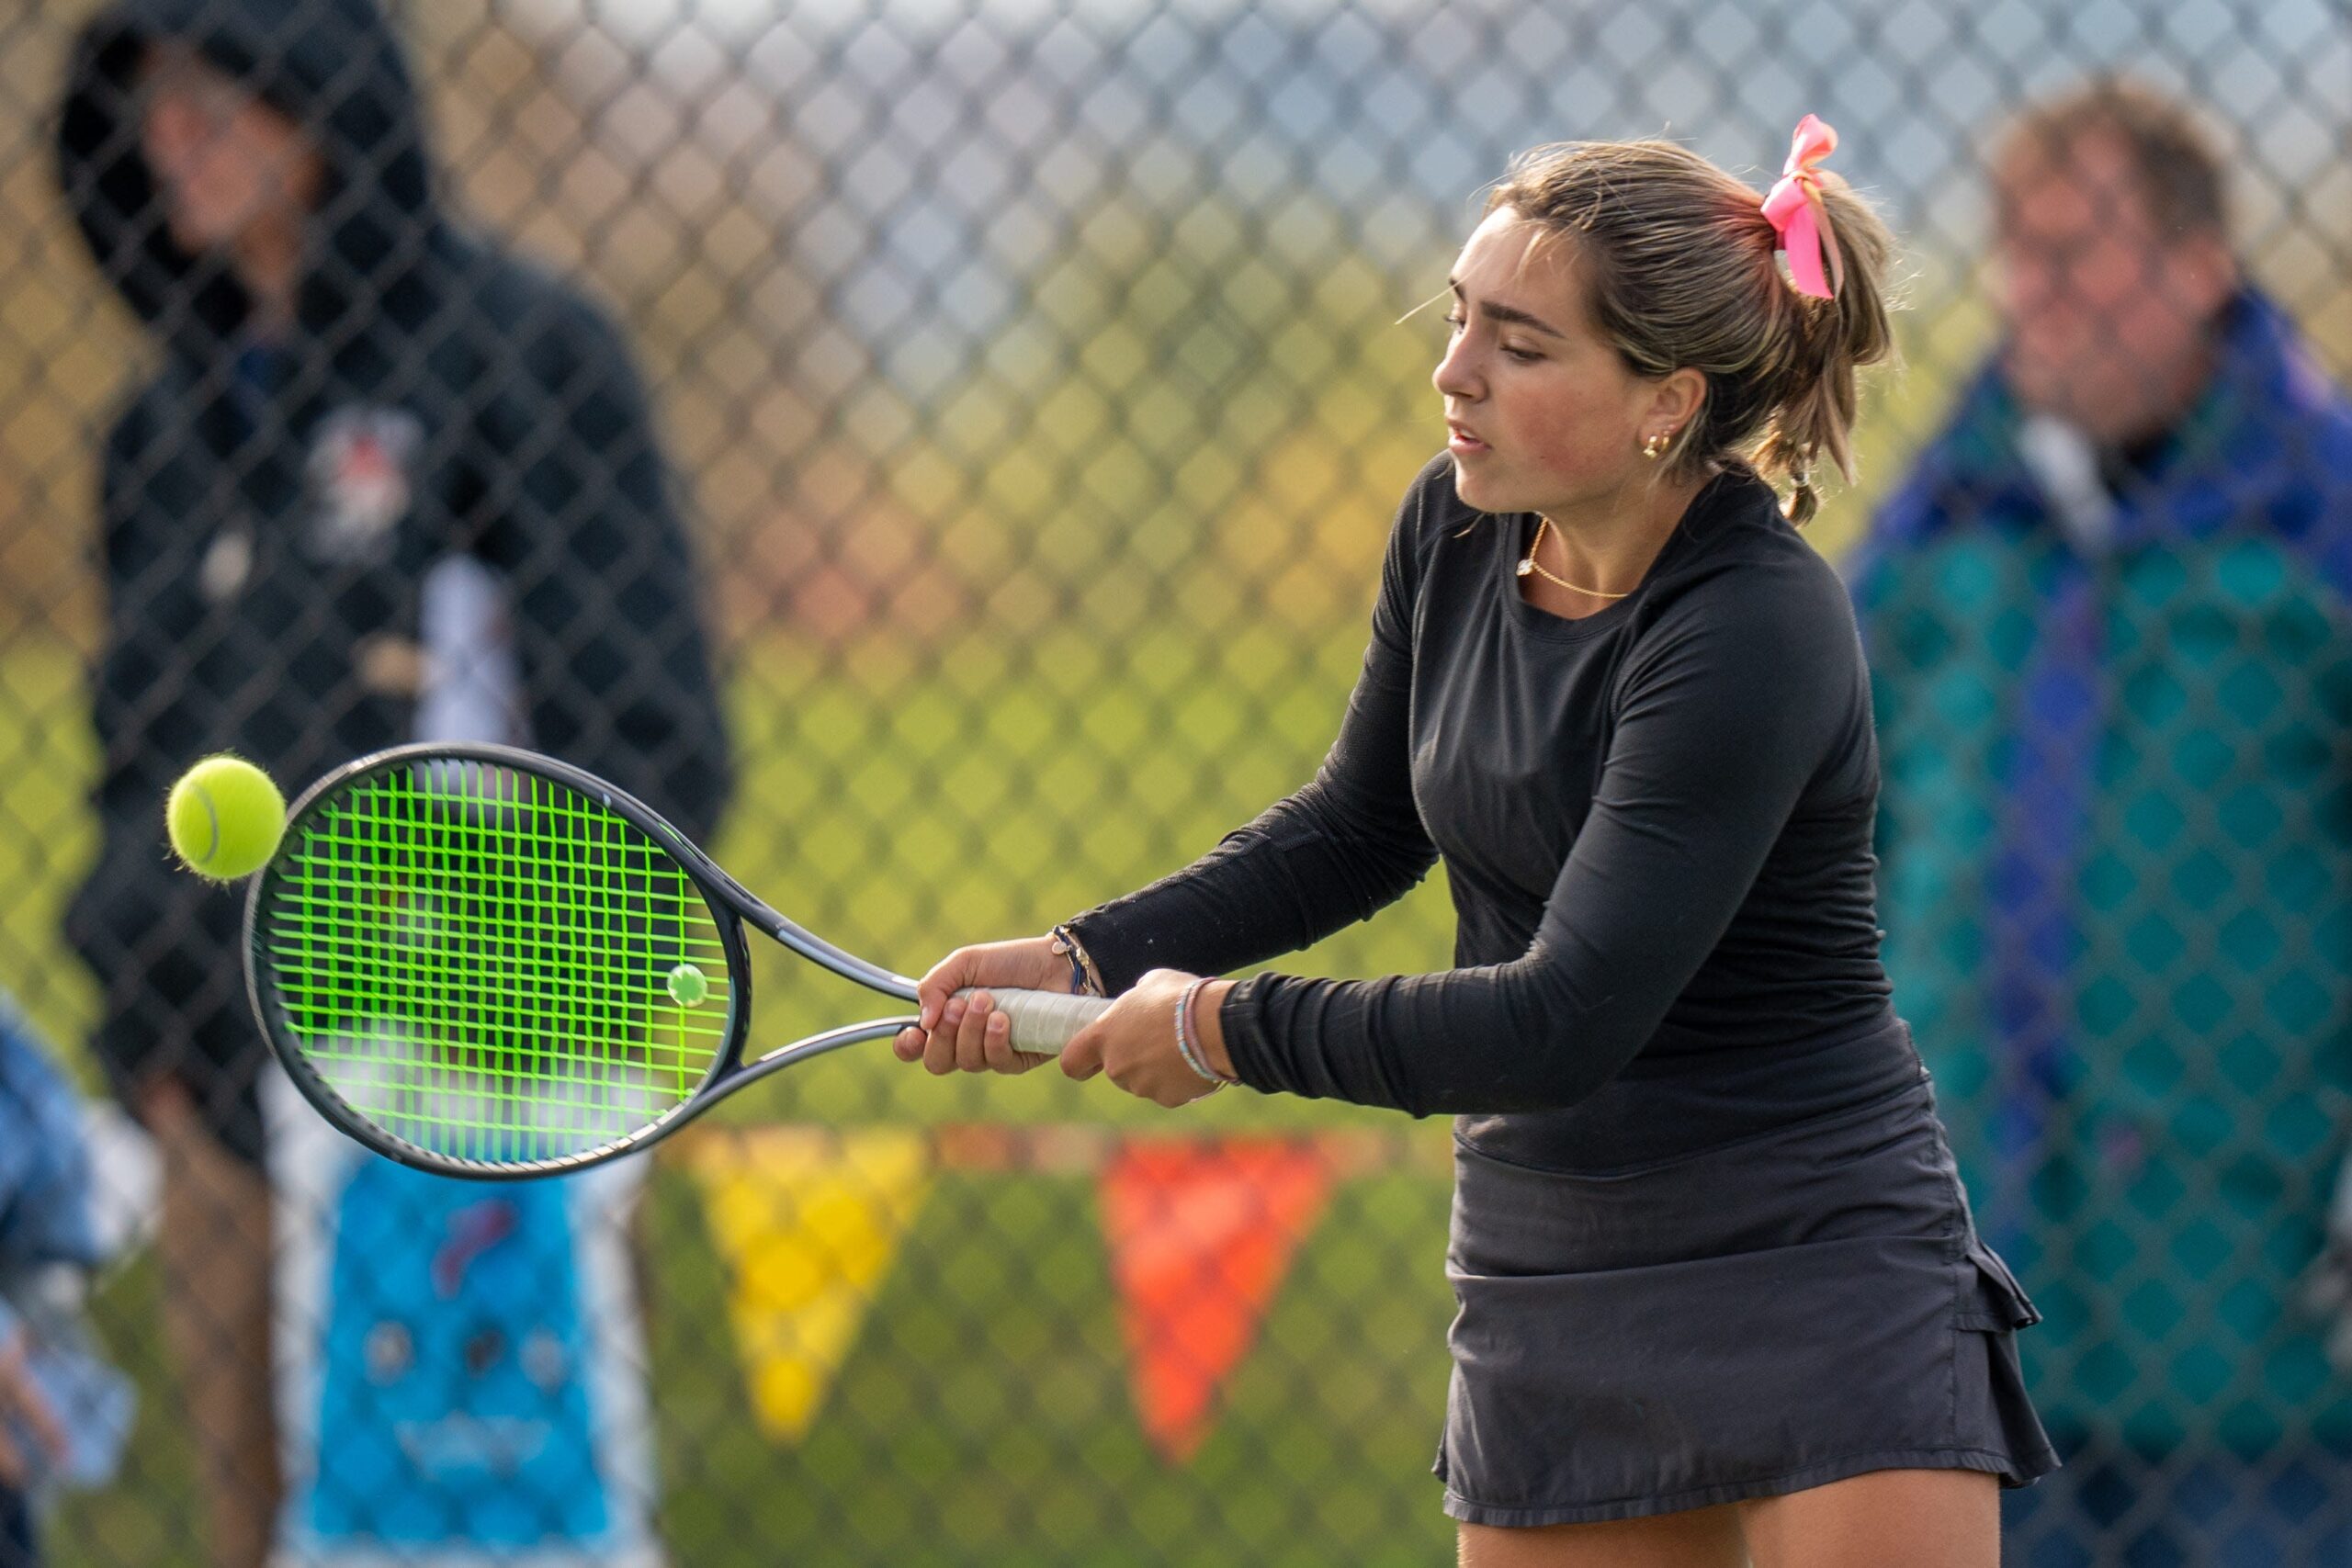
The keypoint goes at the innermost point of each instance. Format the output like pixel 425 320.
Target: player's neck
pixel 1607 546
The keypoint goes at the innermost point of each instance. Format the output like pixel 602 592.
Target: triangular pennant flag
pixel 807 1219
pixel 1201 1234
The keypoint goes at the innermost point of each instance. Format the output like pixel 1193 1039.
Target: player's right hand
pixel 955 1034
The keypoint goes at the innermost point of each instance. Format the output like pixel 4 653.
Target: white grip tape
pixel 1044 1021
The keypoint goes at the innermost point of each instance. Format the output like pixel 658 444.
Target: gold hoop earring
pixel 1655 447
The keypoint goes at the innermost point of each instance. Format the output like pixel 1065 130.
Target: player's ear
pixel 1676 399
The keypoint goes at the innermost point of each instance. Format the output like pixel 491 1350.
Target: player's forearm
pixel 1528 1036
pixel 1292 877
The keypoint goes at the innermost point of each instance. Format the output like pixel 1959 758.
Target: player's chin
pixel 1477 484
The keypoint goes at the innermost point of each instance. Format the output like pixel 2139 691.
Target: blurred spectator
pixel 350 394
pixel 2104 616
pixel 63 1412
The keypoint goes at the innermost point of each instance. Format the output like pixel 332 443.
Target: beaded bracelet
pixel 1083 979
pixel 1193 1056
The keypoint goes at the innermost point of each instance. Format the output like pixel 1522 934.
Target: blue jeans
pixel 2114 1508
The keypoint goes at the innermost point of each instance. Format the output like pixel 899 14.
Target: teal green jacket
pixel 2116 879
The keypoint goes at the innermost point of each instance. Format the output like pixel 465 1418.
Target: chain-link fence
pixel 1033 397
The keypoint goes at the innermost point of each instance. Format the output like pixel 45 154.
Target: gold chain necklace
pixel 1531 564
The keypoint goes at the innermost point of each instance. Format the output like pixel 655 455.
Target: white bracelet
pixel 1194 1057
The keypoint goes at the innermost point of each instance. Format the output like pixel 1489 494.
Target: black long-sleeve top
pixel 1655 823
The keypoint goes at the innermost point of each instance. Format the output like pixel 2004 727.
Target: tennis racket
pixel 481 962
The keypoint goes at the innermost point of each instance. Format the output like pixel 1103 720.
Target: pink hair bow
pixel 1796 211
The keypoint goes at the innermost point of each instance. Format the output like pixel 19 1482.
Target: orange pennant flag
pixel 807 1220
pixel 1201 1234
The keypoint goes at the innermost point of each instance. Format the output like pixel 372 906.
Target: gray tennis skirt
pixel 1777 1314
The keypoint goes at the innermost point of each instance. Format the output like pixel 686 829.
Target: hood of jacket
pixel 335 68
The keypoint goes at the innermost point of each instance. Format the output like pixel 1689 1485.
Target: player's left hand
pixel 1135 1042
pixel 967 1033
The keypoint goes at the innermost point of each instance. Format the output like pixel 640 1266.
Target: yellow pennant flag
pixel 807 1219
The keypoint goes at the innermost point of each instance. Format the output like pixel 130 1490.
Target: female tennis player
pixel 1721 1299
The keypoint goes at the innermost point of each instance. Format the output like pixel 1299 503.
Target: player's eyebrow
pixel 1511 313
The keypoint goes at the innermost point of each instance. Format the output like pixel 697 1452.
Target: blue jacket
pixel 44 1166
pixel 2116 845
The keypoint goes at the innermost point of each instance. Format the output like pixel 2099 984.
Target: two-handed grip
pixel 1043 1021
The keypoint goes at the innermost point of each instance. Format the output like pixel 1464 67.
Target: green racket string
pixel 477 960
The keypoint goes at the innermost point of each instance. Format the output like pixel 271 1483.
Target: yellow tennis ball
pixel 688 986
pixel 224 817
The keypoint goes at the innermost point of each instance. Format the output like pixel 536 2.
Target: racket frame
pixel 732 906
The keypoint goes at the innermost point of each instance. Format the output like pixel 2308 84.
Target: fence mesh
pixel 1033 397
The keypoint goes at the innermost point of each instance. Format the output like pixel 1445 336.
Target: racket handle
pixel 1043 1021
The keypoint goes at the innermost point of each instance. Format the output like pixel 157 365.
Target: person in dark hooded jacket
pixel 350 391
